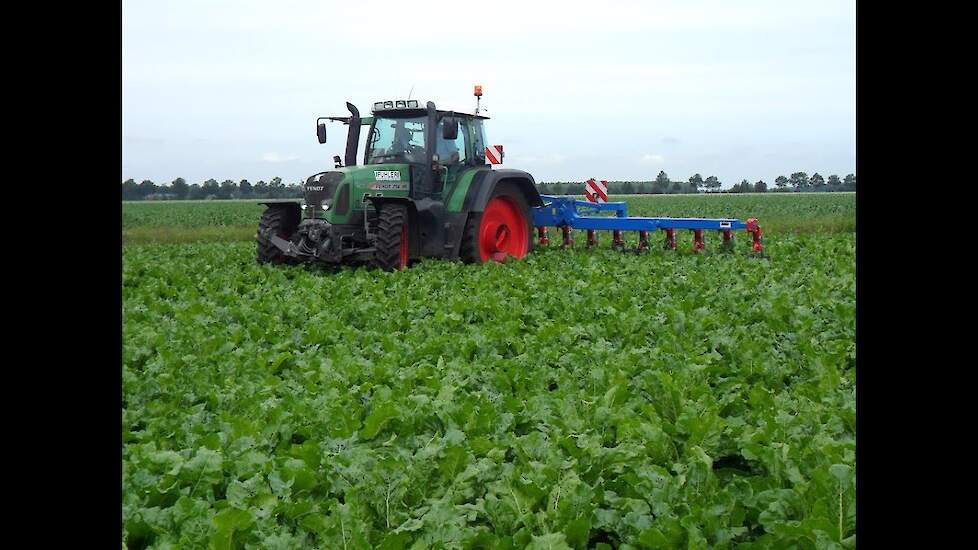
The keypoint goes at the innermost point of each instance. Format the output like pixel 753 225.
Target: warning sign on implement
pixel 494 154
pixel 596 191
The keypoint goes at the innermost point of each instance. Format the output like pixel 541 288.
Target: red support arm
pixel 568 240
pixel 755 230
pixel 542 234
pixel 670 239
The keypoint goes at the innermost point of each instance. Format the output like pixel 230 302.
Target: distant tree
pixel 130 191
pixel 146 188
pixel 227 189
pixel 625 188
pixel 850 182
pixel 244 189
pixel 210 189
pixel 817 182
pixel 696 181
pixel 196 192
pixel 781 182
pixel 799 180
pixel 293 190
pixel 662 178
pixel 179 188
pixel 275 188
pixel 712 183
pixel 834 182
pixel 661 183
pixel 261 190
pixel 677 187
pixel 760 187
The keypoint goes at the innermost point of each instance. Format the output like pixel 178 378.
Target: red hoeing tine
pixel 727 236
pixel 670 239
pixel 542 233
pixel 616 239
pixel 643 240
pixel 591 240
pixel 698 240
pixel 568 240
pixel 755 230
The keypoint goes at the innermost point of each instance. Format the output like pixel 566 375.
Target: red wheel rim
pixel 404 247
pixel 503 231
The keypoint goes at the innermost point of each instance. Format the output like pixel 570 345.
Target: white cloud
pixel 276 158
pixel 648 158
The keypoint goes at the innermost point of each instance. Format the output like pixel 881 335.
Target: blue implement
pixel 565 212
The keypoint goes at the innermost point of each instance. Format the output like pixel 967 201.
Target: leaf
pixel 378 419
pixel 228 522
pixel 550 541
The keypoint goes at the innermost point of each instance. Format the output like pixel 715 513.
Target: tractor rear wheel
pixel 277 221
pixel 392 247
pixel 501 230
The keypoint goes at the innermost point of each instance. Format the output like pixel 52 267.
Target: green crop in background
pixel 573 399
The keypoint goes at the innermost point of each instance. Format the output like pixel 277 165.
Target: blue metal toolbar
pixel 561 211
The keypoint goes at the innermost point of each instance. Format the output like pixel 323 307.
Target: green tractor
pixel 424 189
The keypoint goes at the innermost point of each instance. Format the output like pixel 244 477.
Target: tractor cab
pixel 438 145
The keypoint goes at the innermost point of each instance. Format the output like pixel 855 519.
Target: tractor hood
pixel 318 192
pixel 339 191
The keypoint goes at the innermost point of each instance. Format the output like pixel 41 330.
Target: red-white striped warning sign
pixel 494 154
pixel 596 191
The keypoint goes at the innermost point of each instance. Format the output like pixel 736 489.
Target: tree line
pixel 797 182
pixel 178 189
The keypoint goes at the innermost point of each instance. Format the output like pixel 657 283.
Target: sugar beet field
pixel 575 399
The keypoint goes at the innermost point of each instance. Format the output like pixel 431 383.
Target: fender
pixel 485 182
pixel 477 196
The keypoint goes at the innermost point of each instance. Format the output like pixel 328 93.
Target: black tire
pixel 278 221
pixel 469 248
pixel 392 246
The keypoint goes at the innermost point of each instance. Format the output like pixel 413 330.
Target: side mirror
pixel 321 132
pixel 449 128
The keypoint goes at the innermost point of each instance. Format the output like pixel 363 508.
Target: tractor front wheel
pixel 501 230
pixel 274 221
pixel 392 247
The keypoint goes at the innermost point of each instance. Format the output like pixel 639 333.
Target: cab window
pixel 451 151
pixel 478 141
pixel 396 140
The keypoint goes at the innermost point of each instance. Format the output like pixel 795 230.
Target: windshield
pixel 397 140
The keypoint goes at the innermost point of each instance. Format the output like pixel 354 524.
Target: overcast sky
pixel 612 90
